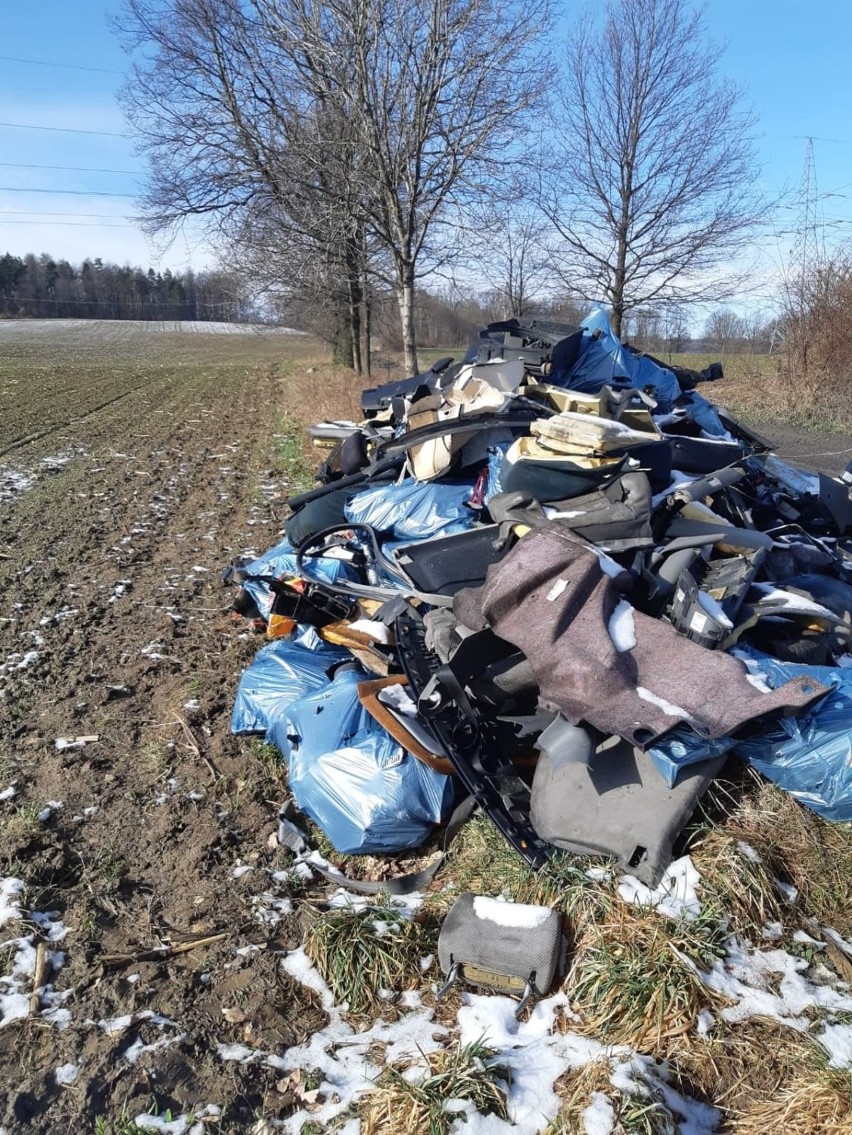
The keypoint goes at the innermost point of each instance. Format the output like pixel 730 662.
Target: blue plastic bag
pixel 682 747
pixel 414 510
pixel 602 360
pixel 281 560
pixel 809 756
pixel 348 774
pixel 280 673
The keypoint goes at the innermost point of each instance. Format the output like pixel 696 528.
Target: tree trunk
pixel 405 296
pixel 353 278
pixel 367 324
pixel 342 353
pixel 618 280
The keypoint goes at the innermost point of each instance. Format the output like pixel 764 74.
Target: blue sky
pixel 792 58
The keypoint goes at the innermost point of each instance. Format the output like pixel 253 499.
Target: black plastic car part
pixel 475 743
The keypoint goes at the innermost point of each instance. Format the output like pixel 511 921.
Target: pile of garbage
pixel 553 582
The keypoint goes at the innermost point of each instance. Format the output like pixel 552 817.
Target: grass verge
pixel 449 1082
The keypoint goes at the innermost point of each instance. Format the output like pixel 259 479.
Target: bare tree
pixel 242 136
pixel 513 255
pixel 337 119
pixel 654 188
pixel 442 85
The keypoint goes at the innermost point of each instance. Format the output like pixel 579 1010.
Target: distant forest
pixel 43 288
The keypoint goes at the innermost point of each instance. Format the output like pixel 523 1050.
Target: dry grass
pixel 812 1100
pixel 634 978
pixel 736 877
pixel 482 861
pixel 407 1103
pixel 363 954
pixel 798 847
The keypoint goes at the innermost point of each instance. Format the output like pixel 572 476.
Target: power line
pixel 65 66
pixel 63 129
pixel 74 224
pixel 72 169
pixel 45 213
pixel 64 192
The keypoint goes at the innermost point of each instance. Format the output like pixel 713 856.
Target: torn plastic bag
pixel 681 748
pixel 809 756
pixel 603 360
pixel 706 416
pixel 281 673
pixel 281 560
pixel 414 510
pixel 347 773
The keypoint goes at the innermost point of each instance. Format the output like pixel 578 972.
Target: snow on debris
pixel 66 1074
pixel 837 1041
pixel 510 914
pixel 622 629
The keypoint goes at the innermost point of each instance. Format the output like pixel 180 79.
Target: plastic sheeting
pixel 809 756
pixel 279 675
pixel 683 747
pixel 604 360
pixel 414 510
pixel 280 560
pixel 706 416
pixel 363 789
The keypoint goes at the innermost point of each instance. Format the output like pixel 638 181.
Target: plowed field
pixel 133 466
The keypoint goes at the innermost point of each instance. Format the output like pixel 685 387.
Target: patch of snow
pixel 667 707
pixel 748 977
pixel 837 1042
pixel 535 1052
pixel 270 910
pixel 598 874
pixel 705 1022
pixel 622 629
pixel 11 890
pixel 558 588
pixel 510 914
pixel 17 984
pixel 746 850
pixel 8 793
pixel 66 1074
pixel 599 1117
pixel 787 891
pixel 675 896
pixel 47 811
pixel 136 1048
pixel 241 869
